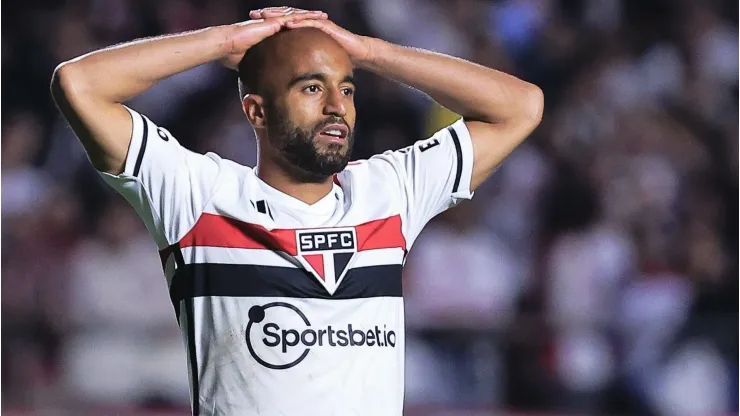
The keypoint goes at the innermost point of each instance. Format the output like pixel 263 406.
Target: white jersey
pixel 288 308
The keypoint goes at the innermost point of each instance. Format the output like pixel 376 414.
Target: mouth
pixel 336 133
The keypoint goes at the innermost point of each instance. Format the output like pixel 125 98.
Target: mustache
pixel 332 120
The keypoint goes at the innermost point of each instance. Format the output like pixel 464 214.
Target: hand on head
pixel 358 47
pixel 269 21
pixel 265 23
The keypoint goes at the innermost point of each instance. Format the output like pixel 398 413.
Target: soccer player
pixel 286 278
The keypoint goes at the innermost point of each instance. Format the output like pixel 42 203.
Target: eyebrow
pixel 318 77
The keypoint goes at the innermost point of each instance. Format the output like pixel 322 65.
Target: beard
pixel 305 159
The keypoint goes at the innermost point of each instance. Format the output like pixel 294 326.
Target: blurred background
pixel 594 273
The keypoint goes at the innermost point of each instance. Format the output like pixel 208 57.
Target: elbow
pixel 57 85
pixel 535 104
pixel 67 80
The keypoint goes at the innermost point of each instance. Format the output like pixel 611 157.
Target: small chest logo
pixel 327 253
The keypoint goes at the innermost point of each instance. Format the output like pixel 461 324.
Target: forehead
pixel 329 61
pixel 297 56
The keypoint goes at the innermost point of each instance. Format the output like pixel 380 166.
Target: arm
pixel 499 110
pixel 89 90
pixel 168 185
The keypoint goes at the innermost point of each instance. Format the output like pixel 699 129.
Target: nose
pixel 335 103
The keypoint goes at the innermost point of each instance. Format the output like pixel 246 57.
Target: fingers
pixel 299 23
pixel 270 12
pixel 319 24
pixel 274 12
pixel 270 25
pixel 293 18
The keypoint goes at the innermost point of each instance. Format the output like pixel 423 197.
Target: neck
pixel 280 179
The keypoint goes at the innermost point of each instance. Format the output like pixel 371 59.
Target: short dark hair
pixel 250 70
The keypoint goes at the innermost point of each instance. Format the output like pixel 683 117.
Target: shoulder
pixel 232 175
pixel 229 166
pixel 371 180
pixel 378 170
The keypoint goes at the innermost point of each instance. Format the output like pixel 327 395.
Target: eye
pixel 312 89
pixel 348 91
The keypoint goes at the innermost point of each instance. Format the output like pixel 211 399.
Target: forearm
pixel 121 72
pixel 471 90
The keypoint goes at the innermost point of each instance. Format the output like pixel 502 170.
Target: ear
pixel 254 109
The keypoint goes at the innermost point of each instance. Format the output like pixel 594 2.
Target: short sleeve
pixel 433 174
pixel 167 184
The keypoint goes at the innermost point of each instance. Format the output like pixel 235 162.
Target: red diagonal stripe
pixel 217 231
pixel 385 233
pixel 317 262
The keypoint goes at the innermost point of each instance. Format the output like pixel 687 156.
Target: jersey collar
pixel 325 205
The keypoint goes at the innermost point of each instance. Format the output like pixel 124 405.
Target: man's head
pixel 297 91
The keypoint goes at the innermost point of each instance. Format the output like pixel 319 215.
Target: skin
pixel 310 84
pixel 499 110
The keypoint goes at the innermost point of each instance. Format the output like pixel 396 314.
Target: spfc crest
pixel 327 253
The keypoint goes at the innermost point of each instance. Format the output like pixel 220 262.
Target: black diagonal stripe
pixel 190 326
pixel 458 150
pixel 340 262
pixel 144 136
pixel 190 317
pixel 241 280
pixel 179 266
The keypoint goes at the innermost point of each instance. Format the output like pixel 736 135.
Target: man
pixel 286 279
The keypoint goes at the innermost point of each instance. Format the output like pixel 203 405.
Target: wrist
pixel 219 41
pixel 376 49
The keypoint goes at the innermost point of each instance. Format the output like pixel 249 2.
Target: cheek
pixel 304 114
pixel 350 118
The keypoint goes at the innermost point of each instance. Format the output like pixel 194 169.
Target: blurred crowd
pixel 594 273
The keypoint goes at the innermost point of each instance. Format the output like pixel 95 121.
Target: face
pixel 310 117
pixel 319 147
